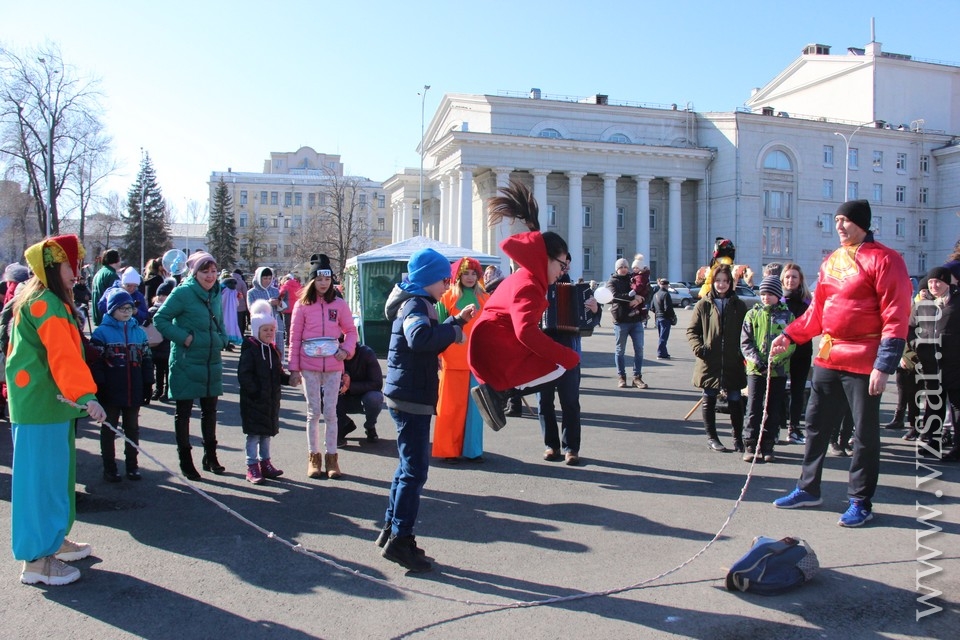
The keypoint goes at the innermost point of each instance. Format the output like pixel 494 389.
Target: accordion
pixel 565 311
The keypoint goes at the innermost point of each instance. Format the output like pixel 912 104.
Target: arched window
pixel 550 133
pixel 777 160
pixel 619 138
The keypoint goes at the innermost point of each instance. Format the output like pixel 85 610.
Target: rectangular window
pixel 551 215
pixel 621 217
pixel 243 198
pixel 242 222
pixel 381 224
pixel 901 227
pixel 274 222
pixel 263 197
pixel 586 259
pixel 853 158
pixel 878 160
pixel 381 202
pixel 274 197
pixel 587 216
pixel 901 162
pixel 828 155
pixel 922 229
pixel 924 164
pixel 287 199
pixel 853 191
pixel 311 200
pixel 286 223
pixel 298 199
pixel 620 251
pixel 876 225
pixel 262 221
pixel 825 222
pixel 922 263
pixel 877 193
pixel 828 189
pixel 416 227
pixel 297 221
pixel 363 200
pixel 776 204
pixel 653 219
pixel 923 195
pixel 322 199
pixel 901 193
pixel 776 241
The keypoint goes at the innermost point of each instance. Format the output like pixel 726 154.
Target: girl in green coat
pixel 714 336
pixel 192 319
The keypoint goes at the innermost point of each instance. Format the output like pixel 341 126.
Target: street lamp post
pixel 51 204
pixel 846 158
pixel 423 102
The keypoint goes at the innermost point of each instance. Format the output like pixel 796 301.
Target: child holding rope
pixel 762 324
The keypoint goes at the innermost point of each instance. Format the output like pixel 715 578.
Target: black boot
pixel 736 419
pixel 209 461
pixel 404 551
pixel 186 464
pixel 897 422
pixel 708 409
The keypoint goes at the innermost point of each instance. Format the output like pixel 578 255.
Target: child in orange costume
pixel 507 348
pixel 458 430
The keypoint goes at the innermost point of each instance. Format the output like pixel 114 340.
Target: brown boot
pixel 313 466
pixel 330 462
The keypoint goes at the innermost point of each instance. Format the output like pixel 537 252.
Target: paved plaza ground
pixel 168 563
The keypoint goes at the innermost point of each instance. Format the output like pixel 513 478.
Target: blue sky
pixel 207 85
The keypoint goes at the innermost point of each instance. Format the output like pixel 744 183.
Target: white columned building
pixel 674 230
pixel 642 240
pixel 575 223
pixel 609 254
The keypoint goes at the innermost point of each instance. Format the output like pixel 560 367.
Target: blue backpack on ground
pixel 773 566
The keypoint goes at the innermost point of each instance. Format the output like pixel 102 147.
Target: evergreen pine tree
pixel 145 203
pixel 222 229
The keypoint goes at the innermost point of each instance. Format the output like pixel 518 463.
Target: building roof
pixel 401 251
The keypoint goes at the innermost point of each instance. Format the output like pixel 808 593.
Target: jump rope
pixel 298 548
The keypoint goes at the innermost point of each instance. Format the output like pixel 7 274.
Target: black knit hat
pixel 940 273
pixel 111 256
pixel 857 212
pixel 320 266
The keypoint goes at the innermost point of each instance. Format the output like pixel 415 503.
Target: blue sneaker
pixel 797 498
pixel 855 515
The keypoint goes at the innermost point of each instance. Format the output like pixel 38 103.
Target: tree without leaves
pixel 145 204
pixel 222 229
pixel 253 247
pixel 42 100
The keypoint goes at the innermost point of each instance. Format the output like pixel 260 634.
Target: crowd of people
pixel 161 337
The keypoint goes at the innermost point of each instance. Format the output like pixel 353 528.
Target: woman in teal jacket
pixel 192 319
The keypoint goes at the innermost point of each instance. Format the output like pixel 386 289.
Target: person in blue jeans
pixel 564 443
pixel 411 388
pixel 665 316
pixel 628 313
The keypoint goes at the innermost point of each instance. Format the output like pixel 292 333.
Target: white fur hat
pixel 261 314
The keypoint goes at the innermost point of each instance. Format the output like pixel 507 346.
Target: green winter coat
pixel 195 371
pixel 102 281
pixel 760 327
pixel 715 342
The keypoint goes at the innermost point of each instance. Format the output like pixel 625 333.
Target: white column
pixel 407 215
pixel 395 228
pixel 643 216
pixel 674 231
pixel 466 207
pixel 540 191
pixel 610 218
pixel 454 178
pixel 575 223
pixel 503 229
pixel 443 220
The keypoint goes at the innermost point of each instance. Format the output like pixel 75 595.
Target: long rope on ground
pixel 298 548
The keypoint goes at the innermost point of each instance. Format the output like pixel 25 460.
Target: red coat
pixel 507 347
pixel 862 297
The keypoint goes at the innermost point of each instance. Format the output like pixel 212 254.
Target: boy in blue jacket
pixel 123 372
pixel 416 339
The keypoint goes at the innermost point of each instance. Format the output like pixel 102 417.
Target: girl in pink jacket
pixel 320 318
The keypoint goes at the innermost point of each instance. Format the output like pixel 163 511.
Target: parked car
pixel 683 297
pixel 748 295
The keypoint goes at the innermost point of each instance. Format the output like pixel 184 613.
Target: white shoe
pixel 70 551
pixel 50 571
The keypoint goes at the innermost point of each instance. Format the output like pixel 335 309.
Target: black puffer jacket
pixel 715 341
pixel 261 375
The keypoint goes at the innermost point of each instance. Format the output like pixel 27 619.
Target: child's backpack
pixel 773 566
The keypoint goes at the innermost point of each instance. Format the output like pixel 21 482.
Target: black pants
pixel 131 429
pixel 208 421
pixel 799 370
pixel 161 369
pixel 567 437
pixel 833 391
pixel 756 394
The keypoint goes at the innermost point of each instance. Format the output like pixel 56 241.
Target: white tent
pixel 369 278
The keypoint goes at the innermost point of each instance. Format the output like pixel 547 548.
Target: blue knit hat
pixel 117 297
pixel 426 267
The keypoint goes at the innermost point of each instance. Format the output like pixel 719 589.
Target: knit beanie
pixel 117 297
pixel 130 276
pixel 16 272
pixel 166 287
pixel 261 314
pixel 426 267
pixel 857 212
pixel 771 284
pixel 320 266
pixel 622 262
pixel 940 273
pixel 198 260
